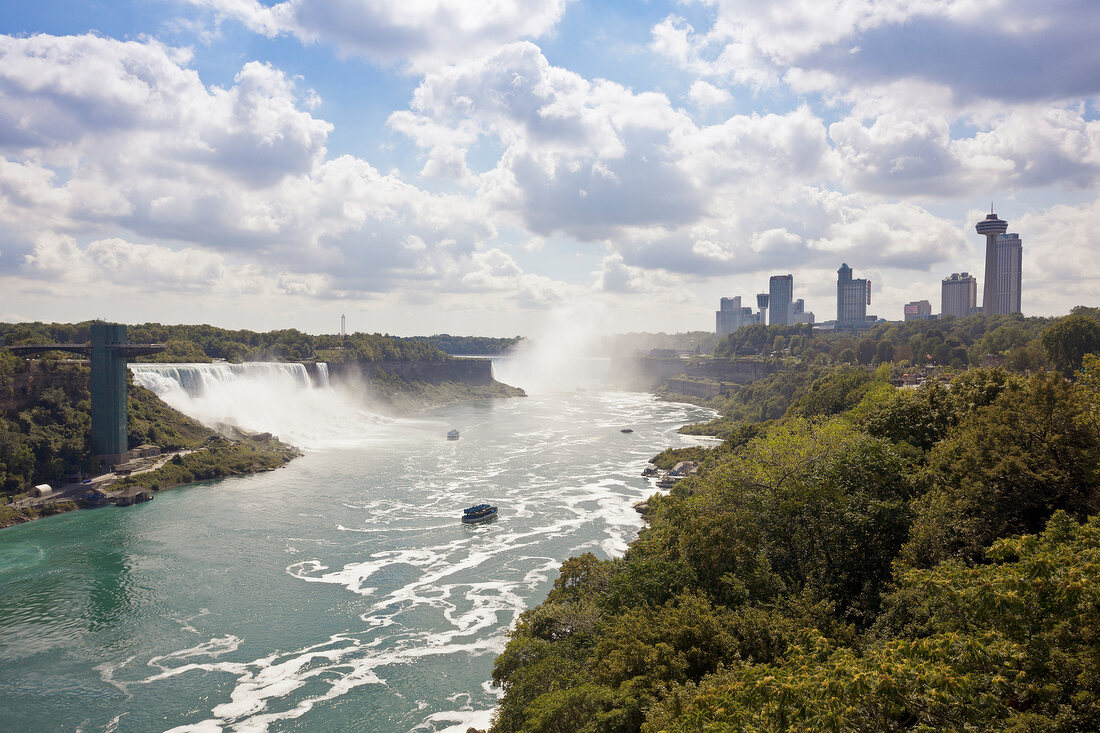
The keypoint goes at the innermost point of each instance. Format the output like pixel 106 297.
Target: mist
pixel 565 355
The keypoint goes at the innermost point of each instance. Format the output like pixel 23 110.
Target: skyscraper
pixel 732 316
pixel 728 317
pixel 799 314
pixel 780 295
pixel 917 310
pixel 1003 257
pixel 958 295
pixel 852 298
pixel 1006 287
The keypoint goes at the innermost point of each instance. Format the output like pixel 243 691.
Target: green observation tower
pixel 108 351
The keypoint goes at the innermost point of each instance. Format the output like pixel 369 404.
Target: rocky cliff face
pixel 477 372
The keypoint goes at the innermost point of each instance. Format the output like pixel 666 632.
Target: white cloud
pixel 1002 49
pixel 420 34
pixel 121 266
pixel 147 151
pixel 704 94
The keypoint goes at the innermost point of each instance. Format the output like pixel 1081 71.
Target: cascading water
pixel 262 396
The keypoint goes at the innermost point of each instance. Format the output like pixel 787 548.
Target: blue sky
pixel 437 165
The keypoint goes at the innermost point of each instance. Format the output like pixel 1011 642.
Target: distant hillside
pixel 202 343
pixel 470 345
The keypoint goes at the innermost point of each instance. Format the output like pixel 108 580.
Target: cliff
pixel 406 386
pixel 477 372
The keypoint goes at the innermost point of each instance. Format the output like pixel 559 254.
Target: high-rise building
pixel 1006 287
pixel 780 295
pixel 728 317
pixel 958 295
pixel 1003 257
pixel 918 310
pixel 852 298
pixel 799 314
pixel 732 316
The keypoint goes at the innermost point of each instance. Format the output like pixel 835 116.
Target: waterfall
pixel 262 396
pixel 198 379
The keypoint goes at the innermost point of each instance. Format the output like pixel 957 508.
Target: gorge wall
pixel 477 372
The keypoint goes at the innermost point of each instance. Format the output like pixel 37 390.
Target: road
pixel 74 491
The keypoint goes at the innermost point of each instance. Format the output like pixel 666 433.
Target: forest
pixel 855 555
pixel 205 343
pixel 470 345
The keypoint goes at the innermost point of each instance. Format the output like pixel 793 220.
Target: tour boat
pixel 479 513
pixel 452 435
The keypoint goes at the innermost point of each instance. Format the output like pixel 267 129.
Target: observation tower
pixel 990 227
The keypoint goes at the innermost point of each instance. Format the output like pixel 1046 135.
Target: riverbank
pixel 221 457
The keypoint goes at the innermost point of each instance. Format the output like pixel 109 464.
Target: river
pixel 338 593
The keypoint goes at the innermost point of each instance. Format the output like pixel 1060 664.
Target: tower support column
pixel 108 387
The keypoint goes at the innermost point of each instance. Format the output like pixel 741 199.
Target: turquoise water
pixel 338 593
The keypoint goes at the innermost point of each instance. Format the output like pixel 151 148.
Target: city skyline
pixel 445 167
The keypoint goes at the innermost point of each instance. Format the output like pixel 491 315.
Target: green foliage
pixel 669 457
pixel 470 345
pixel 1013 645
pixel 1068 340
pixel 834 393
pixel 866 558
pixel 220 459
pixel 151 421
pixel 1006 469
pixel 760 339
pixel 202 343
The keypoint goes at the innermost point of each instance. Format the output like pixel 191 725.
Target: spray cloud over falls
pixel 562 355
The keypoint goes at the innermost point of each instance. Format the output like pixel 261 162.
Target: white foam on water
pixel 456 596
pixel 460 721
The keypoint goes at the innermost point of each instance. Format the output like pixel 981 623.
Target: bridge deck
pixel 128 350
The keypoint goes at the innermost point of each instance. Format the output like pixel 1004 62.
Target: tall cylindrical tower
pixel 990 227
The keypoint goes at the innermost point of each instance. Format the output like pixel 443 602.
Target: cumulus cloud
pixel 1011 50
pixel 105 103
pixel 103 141
pixel 704 94
pixel 929 98
pixel 419 35
pixel 580 157
pixel 1059 248
pixel 119 265
pixel 615 276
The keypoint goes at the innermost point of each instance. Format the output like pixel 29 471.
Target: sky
pixel 501 166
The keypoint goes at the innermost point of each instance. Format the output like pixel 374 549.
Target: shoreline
pixel 180 468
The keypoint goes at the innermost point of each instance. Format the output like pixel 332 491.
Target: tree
pixel 1069 339
pixel 1005 470
pixel 884 352
pixel 865 351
